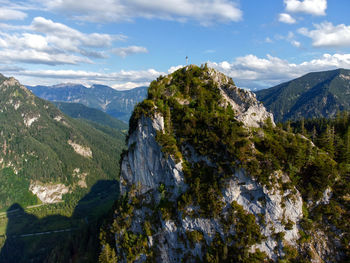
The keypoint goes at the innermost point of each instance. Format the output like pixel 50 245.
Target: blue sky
pixel 128 43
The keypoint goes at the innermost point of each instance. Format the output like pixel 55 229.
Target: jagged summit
pixel 247 108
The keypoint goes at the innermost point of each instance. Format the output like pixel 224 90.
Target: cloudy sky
pixel 128 43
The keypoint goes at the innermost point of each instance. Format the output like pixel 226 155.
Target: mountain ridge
pixel 117 103
pixel 316 94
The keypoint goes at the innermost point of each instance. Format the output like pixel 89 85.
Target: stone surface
pixel 145 163
pixel 48 193
pixel 79 149
pixel 247 108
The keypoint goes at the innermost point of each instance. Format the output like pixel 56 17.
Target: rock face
pixel 248 109
pixel 145 165
pixel 82 150
pixel 48 193
pixel 161 211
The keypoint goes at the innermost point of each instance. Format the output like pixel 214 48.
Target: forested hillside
pixel 316 94
pixel 48 163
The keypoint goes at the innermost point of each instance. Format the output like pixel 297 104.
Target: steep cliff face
pixel 202 179
pixel 145 164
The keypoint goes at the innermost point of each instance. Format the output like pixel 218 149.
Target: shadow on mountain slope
pixel 57 238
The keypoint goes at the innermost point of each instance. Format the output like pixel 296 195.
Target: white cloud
pixel 286 18
pixel 328 35
pixel 60 33
pixel 248 71
pixel 38 57
pixel 204 11
pixel 268 40
pixel 126 51
pixel 47 42
pixel 313 7
pixel 11 14
pixel 254 72
pixel 289 38
pixel 174 68
pixel 295 43
pixel 129 85
pixel 116 79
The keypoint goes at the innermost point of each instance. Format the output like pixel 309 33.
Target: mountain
pixel 48 163
pixel 317 94
pixel 80 111
pixel 209 177
pixel 118 104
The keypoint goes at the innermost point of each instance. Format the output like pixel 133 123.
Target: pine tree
pixel 302 127
pixel 314 134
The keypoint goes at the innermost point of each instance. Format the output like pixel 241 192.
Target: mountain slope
pixel 209 178
pixel 48 163
pixel 317 94
pixel 80 111
pixel 118 104
pixel 41 148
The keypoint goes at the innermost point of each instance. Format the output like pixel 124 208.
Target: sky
pixel 129 43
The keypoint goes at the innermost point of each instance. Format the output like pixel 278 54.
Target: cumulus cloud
pixel 34 49
pixel 68 38
pixel 38 57
pixel 126 51
pixel 253 72
pixel 248 71
pixel 11 14
pixel 328 35
pixel 313 7
pixel 286 18
pixel 47 42
pixel 139 78
pixel 204 11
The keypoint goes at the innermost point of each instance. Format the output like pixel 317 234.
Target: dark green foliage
pixel 331 135
pixel 317 94
pixel 14 188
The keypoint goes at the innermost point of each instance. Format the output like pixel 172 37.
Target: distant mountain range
pixel 317 94
pixel 118 104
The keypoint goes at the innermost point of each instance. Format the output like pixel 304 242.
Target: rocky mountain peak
pixel 247 108
pixel 199 185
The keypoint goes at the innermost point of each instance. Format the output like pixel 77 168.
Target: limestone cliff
pixel 199 182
